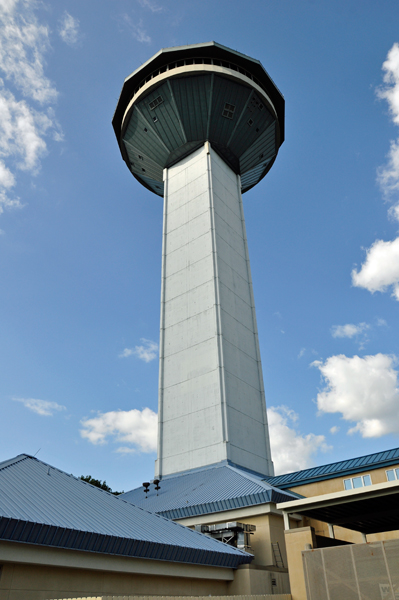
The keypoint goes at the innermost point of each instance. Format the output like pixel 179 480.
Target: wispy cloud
pixel 356 332
pixel 147 352
pixel 152 6
pixel 137 29
pixel 291 451
pixel 349 330
pixel 26 121
pixel 69 29
pixel 40 407
pixel 134 427
pixel 364 390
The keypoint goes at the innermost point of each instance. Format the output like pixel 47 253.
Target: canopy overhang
pixel 371 509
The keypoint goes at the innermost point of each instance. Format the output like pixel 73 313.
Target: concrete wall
pixel 211 397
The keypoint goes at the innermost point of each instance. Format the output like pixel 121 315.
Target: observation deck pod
pixel 186 95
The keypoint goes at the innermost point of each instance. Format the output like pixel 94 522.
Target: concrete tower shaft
pixel 199 125
pixel 211 396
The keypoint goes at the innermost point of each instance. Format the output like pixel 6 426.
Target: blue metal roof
pixel 40 504
pixel 206 491
pixel 337 469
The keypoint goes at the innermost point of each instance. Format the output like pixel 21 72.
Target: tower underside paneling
pixel 211 399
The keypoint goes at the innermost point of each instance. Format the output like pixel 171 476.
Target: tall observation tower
pixel 200 125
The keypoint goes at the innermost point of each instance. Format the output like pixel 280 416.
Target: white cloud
pixel 380 269
pixel 69 29
pixel 23 44
pixel 291 451
pixel 135 427
pixel 334 430
pixel 301 352
pixel 137 29
pixel 364 390
pixel 23 128
pixel 349 330
pixel 147 352
pixel 388 176
pixel 41 407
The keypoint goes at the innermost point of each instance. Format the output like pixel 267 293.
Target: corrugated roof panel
pixel 261 150
pixel 40 504
pixel 206 491
pixel 235 94
pixel 141 134
pixel 341 468
pixel 254 122
pixel 192 98
pixel 168 123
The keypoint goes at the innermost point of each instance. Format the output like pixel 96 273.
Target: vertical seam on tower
pixel 210 107
pixel 255 331
pixel 217 298
pixel 162 326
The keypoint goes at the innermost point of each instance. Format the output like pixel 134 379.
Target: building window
pixel 357 482
pixel 392 474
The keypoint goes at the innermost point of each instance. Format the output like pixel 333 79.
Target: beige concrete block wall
pixel 37 582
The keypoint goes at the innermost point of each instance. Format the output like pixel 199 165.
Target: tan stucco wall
pixel 328 486
pixel 269 529
pixel 36 573
pixel 33 582
pixel 251 580
pixel 296 540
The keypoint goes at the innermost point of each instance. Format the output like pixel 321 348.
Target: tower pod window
pixel 228 111
pixel 155 102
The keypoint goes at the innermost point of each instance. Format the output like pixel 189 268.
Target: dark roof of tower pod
pixel 207 49
pixel 186 95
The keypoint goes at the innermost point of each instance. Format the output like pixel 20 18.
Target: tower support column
pixel 211 396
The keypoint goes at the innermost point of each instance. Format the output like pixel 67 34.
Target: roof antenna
pixel 36 453
pixel 157 486
pixel 146 487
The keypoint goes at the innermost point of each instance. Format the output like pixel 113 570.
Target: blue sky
pixel 80 243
